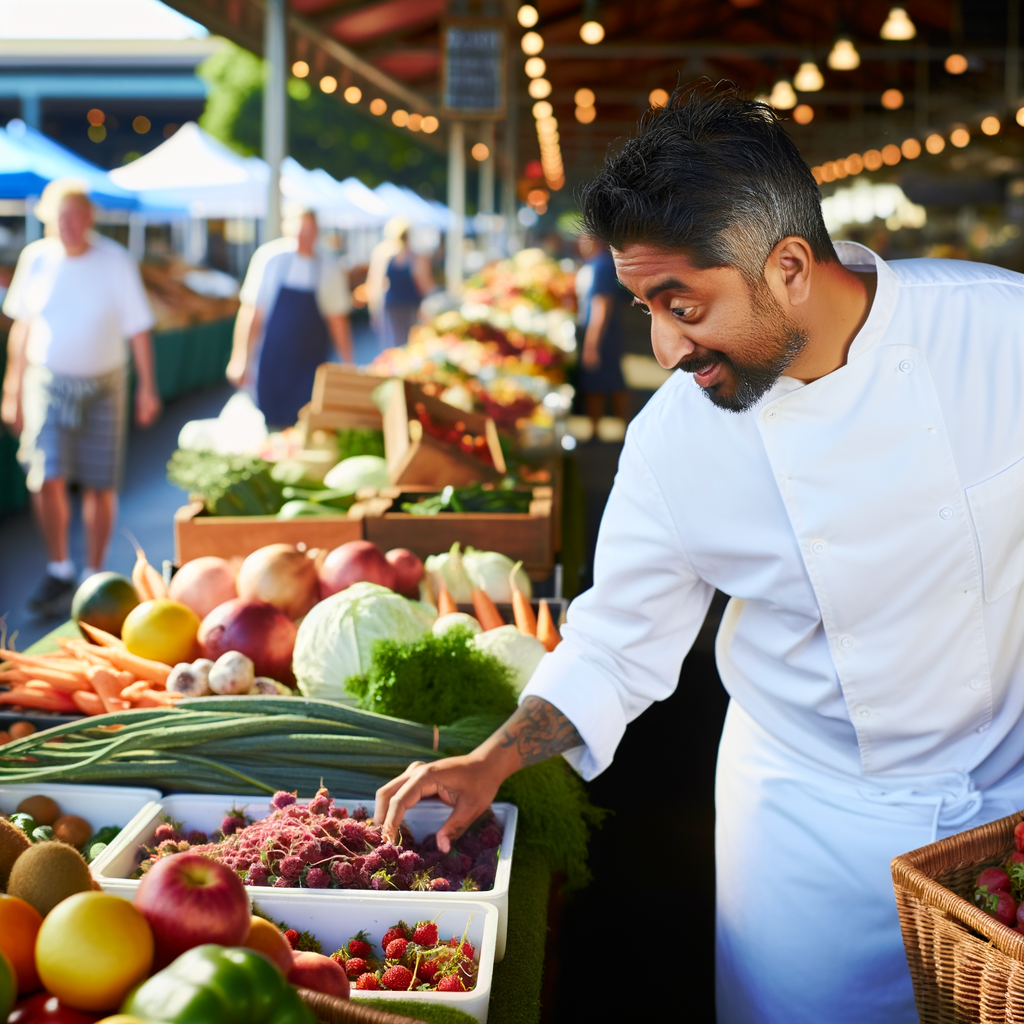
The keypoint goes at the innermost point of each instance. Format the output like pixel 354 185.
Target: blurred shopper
pixel 75 299
pixel 398 281
pixel 600 300
pixel 295 304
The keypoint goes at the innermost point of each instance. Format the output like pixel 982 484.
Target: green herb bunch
pixel 360 441
pixel 228 485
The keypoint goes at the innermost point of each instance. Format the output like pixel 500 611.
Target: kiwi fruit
pixel 47 873
pixel 44 811
pixel 72 830
pixel 13 843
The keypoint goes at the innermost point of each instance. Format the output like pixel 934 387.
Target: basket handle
pixel 348 1011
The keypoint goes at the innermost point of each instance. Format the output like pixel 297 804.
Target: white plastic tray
pixel 115 865
pixel 334 922
pixel 98 805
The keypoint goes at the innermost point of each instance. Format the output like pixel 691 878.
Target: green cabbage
pixel 336 638
pixel 491 571
pixel 521 653
pixel 358 471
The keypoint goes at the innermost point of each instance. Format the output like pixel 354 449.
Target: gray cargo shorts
pixel 75 428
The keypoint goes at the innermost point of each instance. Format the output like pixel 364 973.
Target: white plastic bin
pixel 98 805
pixel 117 863
pixel 334 922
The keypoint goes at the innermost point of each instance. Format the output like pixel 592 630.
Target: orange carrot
pixel 109 687
pixel 87 702
pixel 547 631
pixel 526 621
pixel 445 603
pixel 14 675
pixel 155 699
pixel 132 690
pixel 36 697
pixel 100 636
pixel 486 613
pixel 155 672
pixel 59 680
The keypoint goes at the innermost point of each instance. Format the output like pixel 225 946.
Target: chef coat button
pixel 946 512
pixel 906 366
pixel 771 415
pixel 818 547
pixel 976 684
pixel 863 711
pixel 846 641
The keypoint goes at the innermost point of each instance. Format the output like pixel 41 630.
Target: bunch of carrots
pixel 85 678
pixel 541 626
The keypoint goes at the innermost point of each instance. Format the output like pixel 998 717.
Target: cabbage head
pixel 335 640
pixel 521 653
pixel 357 471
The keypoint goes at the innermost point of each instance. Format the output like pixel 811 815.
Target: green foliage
pixel 323 131
pixel 360 441
pixel 228 485
pixel 434 680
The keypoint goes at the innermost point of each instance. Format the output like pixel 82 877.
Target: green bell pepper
pixel 218 985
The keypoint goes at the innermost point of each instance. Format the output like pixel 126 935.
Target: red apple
pixel 320 973
pixel 190 900
pixel 408 572
pixel 358 561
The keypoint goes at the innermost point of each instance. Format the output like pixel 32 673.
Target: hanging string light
pixel 808 77
pixel 527 16
pixel 990 125
pixel 782 96
pixel 592 32
pixel 844 55
pixel 659 98
pixel 532 43
pixel 892 99
pixel 803 113
pixel 956 64
pixel 535 67
pixel 898 27
pixel 539 88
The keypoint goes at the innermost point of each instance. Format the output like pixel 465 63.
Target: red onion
pixel 258 630
pixel 358 561
pixel 408 572
pixel 203 583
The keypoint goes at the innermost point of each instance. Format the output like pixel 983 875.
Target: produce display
pixel 999 891
pixel 486 497
pixel 321 846
pixel 41 819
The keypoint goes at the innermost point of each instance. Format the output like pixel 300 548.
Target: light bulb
pixel 898 25
pixel 803 114
pixel 378 106
pixel 956 64
pixel 430 124
pixel 911 149
pixel 535 67
pixel 658 98
pixel 527 16
pixel 400 118
pixel 300 69
pixel 891 154
pixel 892 99
pixel 990 125
pixel 844 55
pixel 782 97
pixel 542 109
pixel 353 94
pixel 415 122
pixel 960 137
pixel 808 77
pixel 328 84
pixel 935 144
pixel 584 97
pixel 480 152
pixel 592 32
pixel 532 43
pixel 873 160
pixel 1020 117
pixel 586 114
pixel 539 88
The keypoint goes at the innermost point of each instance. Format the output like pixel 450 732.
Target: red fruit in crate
pixel 358 561
pixel 320 973
pixel 992 879
pixel 408 572
pixel 452 983
pixel 190 900
pixel 394 932
pixel 397 978
pixel 1018 837
pixel 1000 905
pixel 425 934
pixel 358 945
pixel 354 966
pixel 368 983
pixel 396 949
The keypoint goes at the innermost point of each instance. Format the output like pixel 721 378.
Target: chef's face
pixel 733 336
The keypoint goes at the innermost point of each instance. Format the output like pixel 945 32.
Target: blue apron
pixel 295 343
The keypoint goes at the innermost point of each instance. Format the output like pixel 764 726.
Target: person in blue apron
pixel 408 280
pixel 295 303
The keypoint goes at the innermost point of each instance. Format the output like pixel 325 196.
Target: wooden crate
pixel 197 534
pixel 417 457
pixel 342 397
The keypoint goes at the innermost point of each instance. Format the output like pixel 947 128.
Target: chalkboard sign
pixel 474 69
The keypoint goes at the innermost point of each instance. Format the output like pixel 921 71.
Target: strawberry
pixel 427 969
pixel 452 983
pixel 396 931
pixel 293 938
pixel 359 945
pixel 397 978
pixel 355 966
pixel 468 951
pixel 395 949
pixel 368 982
pixel 425 934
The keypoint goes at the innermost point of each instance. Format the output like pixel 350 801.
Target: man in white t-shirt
pixel 78 308
pixel 295 305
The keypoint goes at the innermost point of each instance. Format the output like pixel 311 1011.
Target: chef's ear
pixel 788 270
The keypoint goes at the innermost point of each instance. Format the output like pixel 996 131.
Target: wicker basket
pixel 348 1011
pixel 965 965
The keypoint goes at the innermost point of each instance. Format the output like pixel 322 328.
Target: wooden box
pixel 197 534
pixel 342 397
pixel 417 457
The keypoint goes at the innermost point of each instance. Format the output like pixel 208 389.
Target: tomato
pixel 42 1008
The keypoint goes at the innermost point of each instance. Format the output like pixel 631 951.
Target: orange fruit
pixel 92 949
pixel 19 925
pixel 161 630
pixel 266 938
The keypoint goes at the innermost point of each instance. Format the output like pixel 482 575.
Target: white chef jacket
pixel 869 528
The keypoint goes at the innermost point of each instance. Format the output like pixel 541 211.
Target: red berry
pixel 356 947
pixel 1018 837
pixel 993 879
pixel 425 934
pixel 452 983
pixel 368 982
pixel 397 978
pixel 468 951
pixel 293 938
pixel 396 949
pixel 427 969
pixel 394 932
pixel 1001 905
pixel 354 966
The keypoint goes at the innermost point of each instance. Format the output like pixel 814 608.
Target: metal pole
pixel 457 205
pixel 275 110
pixel 1012 78
pixel 486 201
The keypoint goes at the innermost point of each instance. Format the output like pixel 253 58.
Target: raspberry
pixel 360 814
pixel 440 885
pixel 197 838
pixel 281 799
pixel 164 832
pixel 396 931
pixel 321 803
pixel 290 867
pixel 409 860
pixel 355 966
pixel 451 983
pixel 368 982
pixel 317 878
pixel 293 938
pixel 343 872
pixel 395 949
pixel 397 978
pixel 425 934
pixel 232 824
pixel 256 875
pixel 387 853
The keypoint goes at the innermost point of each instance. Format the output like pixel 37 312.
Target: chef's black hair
pixel 712 174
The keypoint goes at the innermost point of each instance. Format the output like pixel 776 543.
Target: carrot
pixel 147 581
pixel 87 702
pixel 14 675
pixel 59 680
pixel 36 697
pixel 526 621
pixel 142 668
pixel 132 690
pixel 486 613
pixel 155 699
pixel 108 686
pixel 100 636
pixel 547 631
pixel 445 604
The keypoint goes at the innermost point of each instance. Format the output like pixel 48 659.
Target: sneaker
pixel 52 598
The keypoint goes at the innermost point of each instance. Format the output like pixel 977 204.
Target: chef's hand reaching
pixel 536 731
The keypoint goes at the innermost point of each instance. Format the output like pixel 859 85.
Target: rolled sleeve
pixel 624 640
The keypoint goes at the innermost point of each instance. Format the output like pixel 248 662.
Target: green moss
pixel 412 1008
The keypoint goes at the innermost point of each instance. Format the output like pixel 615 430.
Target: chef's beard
pixel 768 348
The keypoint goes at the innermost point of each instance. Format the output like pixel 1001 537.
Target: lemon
pixel 161 630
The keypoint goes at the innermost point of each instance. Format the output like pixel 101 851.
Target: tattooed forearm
pixel 537 731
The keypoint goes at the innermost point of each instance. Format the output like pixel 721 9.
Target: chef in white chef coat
pixel 842 452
